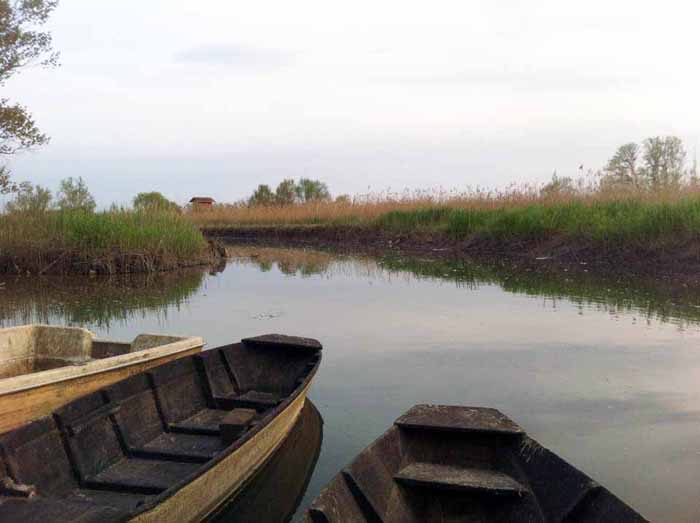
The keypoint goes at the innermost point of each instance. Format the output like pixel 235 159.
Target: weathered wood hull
pixel 29 396
pixel 208 492
pixel 445 463
pixel 275 493
pixel 170 444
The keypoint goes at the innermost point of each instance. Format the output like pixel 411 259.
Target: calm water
pixel 605 374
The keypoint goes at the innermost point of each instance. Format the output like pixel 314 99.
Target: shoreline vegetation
pixel 630 236
pixel 110 242
pixel 42 234
pixel 640 215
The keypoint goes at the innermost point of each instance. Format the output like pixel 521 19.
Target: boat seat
pixel 144 476
pixel 181 393
pixel 57 511
pixel 464 479
pixel 38 482
pixel 180 447
pixel 236 423
pixel 206 422
pixel 142 428
pixel 252 399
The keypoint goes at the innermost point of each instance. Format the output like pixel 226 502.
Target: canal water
pixel 604 373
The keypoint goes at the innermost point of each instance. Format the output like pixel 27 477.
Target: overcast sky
pixel 212 98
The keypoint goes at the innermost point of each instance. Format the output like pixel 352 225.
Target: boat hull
pixel 23 406
pixel 44 367
pixel 201 497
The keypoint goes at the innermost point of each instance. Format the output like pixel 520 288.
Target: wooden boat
pixel 169 444
pixel 275 493
pixel 44 367
pixel 443 463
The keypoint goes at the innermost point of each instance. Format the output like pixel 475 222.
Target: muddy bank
pixel 64 262
pixel 678 263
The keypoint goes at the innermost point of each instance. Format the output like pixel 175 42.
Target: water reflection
pixel 605 373
pixel 96 302
pixel 275 493
pixel 651 299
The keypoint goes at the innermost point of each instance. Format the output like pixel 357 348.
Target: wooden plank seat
pixel 96 450
pixel 466 479
pixel 180 447
pixel 143 431
pixel 57 511
pixel 146 476
pixel 205 422
pixel 252 399
pixel 218 366
pixel 35 470
pixel 183 401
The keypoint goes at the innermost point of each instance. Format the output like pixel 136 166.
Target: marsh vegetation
pixel 39 235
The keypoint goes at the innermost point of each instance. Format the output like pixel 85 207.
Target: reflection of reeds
pixel 95 301
pixel 650 299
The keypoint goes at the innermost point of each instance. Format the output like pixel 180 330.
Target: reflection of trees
pixel 649 298
pixel 652 299
pixel 292 262
pixel 96 301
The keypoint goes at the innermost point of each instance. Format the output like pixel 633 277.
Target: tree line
pixel 74 195
pixel 658 163
pixel 289 192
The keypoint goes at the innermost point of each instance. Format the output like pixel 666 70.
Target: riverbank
pixel 112 242
pixel 675 259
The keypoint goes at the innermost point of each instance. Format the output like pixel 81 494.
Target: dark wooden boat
pixel 275 493
pixel 169 444
pixel 43 367
pixel 443 463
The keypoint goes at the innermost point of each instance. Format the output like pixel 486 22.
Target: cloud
pixel 234 55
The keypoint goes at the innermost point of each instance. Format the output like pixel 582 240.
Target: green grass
pixel 620 221
pixel 163 238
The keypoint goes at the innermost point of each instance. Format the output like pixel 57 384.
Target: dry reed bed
pixel 609 215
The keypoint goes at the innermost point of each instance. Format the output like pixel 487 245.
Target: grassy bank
pixel 104 242
pixel 629 222
pixel 644 232
pixel 633 219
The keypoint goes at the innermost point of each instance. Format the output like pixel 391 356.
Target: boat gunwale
pixel 527 444
pixel 39 379
pixel 204 468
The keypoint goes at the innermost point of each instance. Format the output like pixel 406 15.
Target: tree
pixel 559 186
pixel 623 167
pixel 21 44
pixel 74 195
pixel 664 160
pixel 262 196
pixel 343 199
pixel 312 190
pixel 154 201
pixel 286 192
pixel 31 199
pixel 693 175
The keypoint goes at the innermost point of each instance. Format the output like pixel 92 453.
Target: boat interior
pixel 279 488
pixel 35 348
pixel 440 463
pixel 116 451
